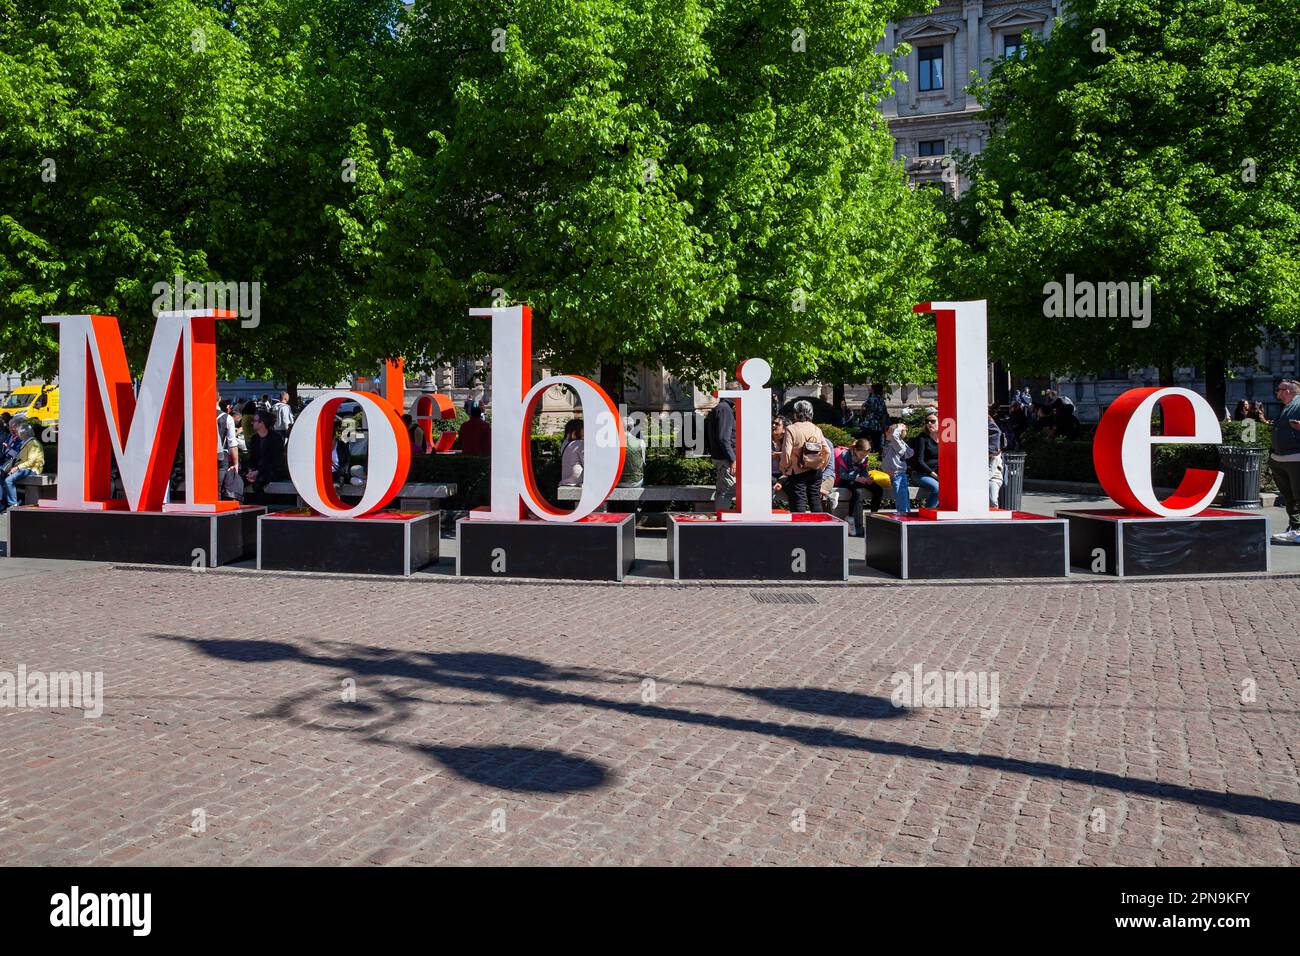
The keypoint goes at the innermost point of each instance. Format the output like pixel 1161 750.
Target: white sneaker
pixel 1287 537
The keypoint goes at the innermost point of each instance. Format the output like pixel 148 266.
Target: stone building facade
pixel 931 114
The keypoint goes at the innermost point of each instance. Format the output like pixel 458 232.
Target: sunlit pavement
pixel 300 719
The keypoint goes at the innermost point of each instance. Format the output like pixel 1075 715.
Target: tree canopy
pixel 1143 141
pixel 675 182
pixel 141 140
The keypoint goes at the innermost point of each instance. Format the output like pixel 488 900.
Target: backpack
pixel 812 454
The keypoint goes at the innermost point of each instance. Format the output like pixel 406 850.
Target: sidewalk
pixel 652 555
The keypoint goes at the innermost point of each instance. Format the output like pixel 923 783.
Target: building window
pixel 930 60
pixel 931 147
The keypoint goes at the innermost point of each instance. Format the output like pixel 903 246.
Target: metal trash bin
pixel 1241 477
pixel 1013 481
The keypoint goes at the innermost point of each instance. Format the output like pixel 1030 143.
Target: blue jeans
pixel 901 491
pixel 931 487
pixel 11 482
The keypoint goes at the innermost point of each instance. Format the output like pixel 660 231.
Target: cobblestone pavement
pixel 520 723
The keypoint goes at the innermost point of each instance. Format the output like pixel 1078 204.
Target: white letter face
pixel 962 329
pixel 312 440
pixel 512 404
pixel 753 445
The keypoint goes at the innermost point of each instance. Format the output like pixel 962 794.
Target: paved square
pixel 648 723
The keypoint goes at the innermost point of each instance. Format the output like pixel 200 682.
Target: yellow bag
pixel 879 477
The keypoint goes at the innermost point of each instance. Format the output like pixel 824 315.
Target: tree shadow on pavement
pixel 527 680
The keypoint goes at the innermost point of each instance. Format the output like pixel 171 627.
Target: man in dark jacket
pixel 1284 460
pixel 720 445
pixel 267 459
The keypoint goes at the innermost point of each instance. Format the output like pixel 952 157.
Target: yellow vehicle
pixel 36 403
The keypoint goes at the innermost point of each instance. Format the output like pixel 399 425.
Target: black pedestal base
pixel 134 537
pixel 809 547
pixel 600 547
pixel 912 547
pixel 384 542
pixel 1111 541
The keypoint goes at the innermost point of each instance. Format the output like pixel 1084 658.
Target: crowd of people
pixel 810 474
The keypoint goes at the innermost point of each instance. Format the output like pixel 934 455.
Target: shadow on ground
pixel 539 684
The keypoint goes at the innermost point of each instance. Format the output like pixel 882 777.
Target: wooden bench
pixel 418 496
pixel 32 485
pixel 700 496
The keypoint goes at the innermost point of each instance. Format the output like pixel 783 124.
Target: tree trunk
pixel 611 380
pixel 1166 374
pixel 837 396
pixel 1216 384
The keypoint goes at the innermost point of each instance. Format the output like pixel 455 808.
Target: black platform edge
pixel 610 544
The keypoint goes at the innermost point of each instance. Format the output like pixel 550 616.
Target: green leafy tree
pixel 139 140
pixel 676 182
pixel 1149 141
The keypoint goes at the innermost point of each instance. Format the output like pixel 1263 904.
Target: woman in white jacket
pixel 571 453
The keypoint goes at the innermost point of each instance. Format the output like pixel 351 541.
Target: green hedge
pixel 679 471
pixel 837 436
pixel 1070 459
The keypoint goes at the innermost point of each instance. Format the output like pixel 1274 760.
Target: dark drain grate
pixel 782 597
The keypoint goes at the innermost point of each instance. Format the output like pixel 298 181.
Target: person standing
pixel 874 415
pixel 229 484
pixel 283 412
pixel 720 445
pixel 804 458
pixel 997 442
pixel 893 459
pixel 475 434
pixel 1284 459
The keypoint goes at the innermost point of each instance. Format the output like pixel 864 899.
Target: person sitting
pixel 475 434
pixel 30 460
pixel 780 499
pixel 852 472
pixel 634 460
pixel 924 465
pixel 266 458
pixel 10 446
pixel 572 453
